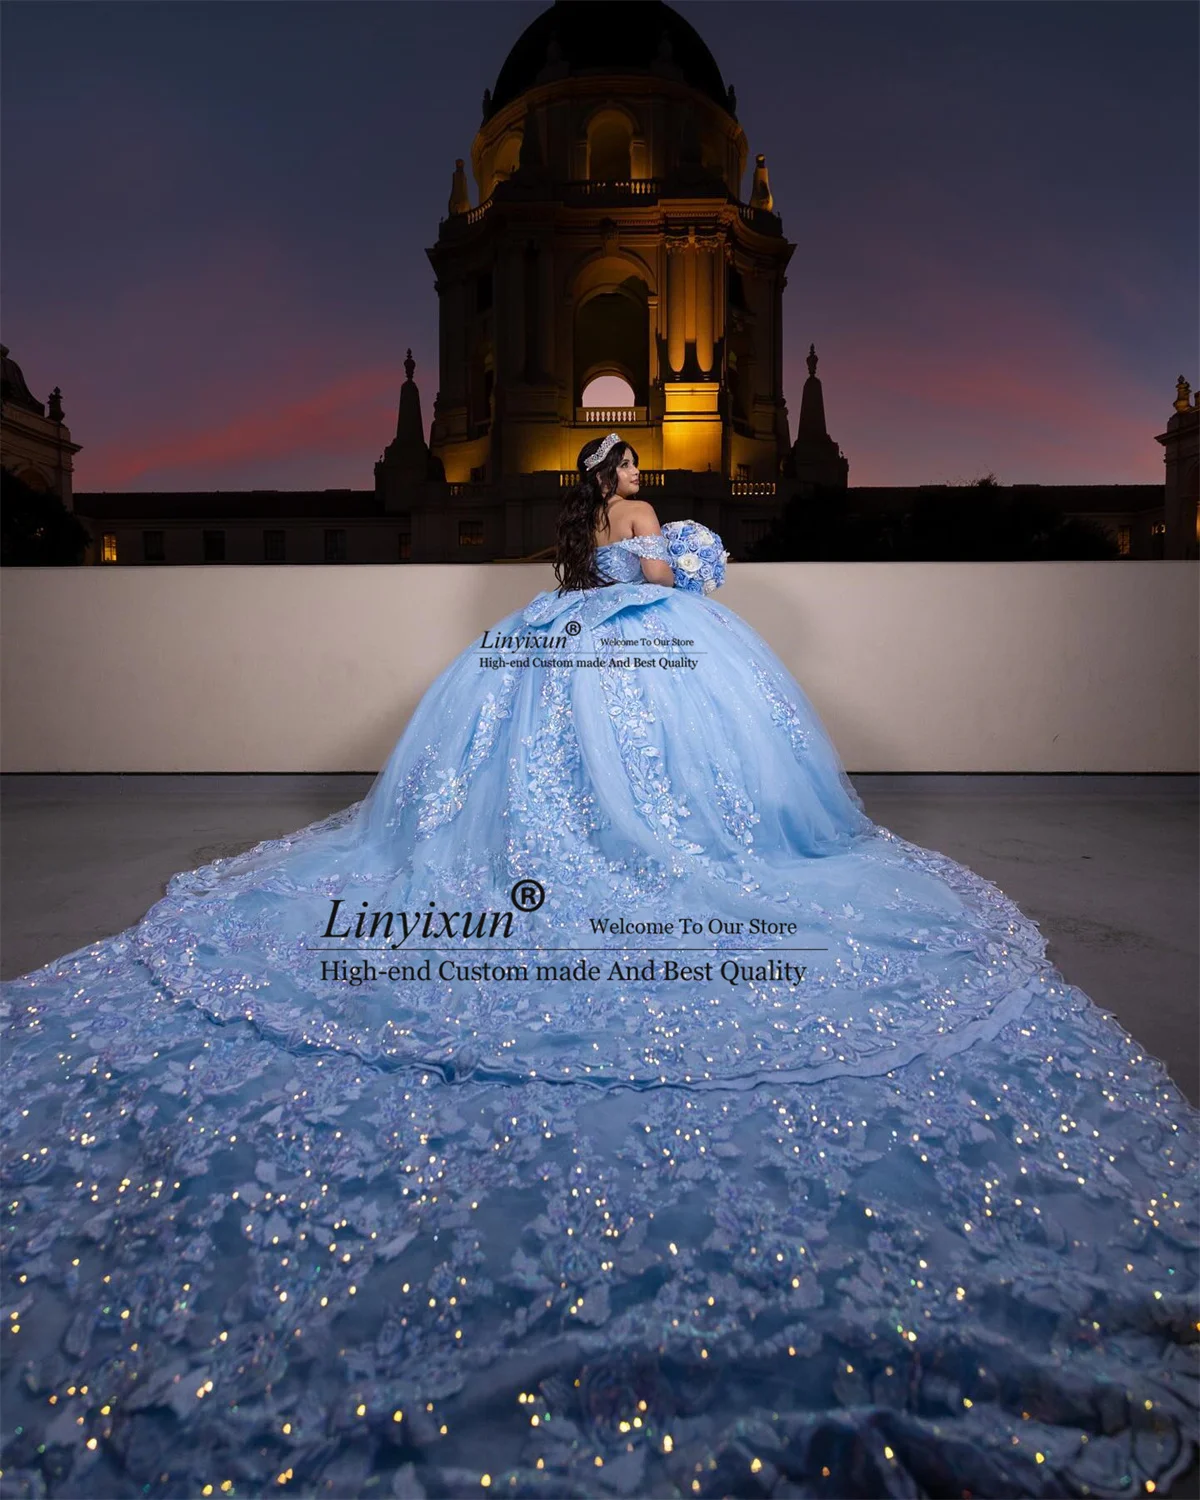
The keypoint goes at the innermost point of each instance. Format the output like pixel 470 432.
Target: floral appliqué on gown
pixel 920 1221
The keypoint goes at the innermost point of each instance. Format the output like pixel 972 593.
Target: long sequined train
pixel 922 1221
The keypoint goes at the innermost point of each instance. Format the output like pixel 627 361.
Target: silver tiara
pixel 602 451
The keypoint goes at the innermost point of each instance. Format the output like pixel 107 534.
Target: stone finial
pixel 731 100
pixel 55 412
pixel 460 198
pixel 487 103
pixel 760 192
pixel 406 457
pixel 813 443
pixel 1182 388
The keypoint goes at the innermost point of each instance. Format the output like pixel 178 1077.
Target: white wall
pixel 913 666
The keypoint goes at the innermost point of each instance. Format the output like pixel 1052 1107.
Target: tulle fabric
pixel 919 1220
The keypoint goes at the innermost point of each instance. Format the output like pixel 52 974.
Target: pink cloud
pixel 350 415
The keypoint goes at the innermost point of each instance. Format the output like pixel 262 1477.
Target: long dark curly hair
pixel 583 510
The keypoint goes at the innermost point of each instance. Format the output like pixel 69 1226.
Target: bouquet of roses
pixel 697 556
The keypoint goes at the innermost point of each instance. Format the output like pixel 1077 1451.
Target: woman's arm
pixel 645 523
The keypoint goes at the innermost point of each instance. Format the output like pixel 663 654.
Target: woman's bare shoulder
pixel 643 519
pixel 626 518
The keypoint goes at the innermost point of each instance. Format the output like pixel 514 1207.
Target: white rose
pixel 703 536
pixel 689 562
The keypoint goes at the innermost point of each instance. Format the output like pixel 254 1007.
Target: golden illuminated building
pixel 608 238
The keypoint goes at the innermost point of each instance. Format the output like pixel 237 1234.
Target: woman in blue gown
pixel 602 1105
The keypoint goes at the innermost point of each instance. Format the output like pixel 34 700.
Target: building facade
pixel 35 441
pixel 607 239
pixel 1180 521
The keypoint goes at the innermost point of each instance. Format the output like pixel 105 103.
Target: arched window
pixel 612 343
pixel 608 390
pixel 610 141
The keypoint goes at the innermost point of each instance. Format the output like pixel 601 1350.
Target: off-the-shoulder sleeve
pixel 648 546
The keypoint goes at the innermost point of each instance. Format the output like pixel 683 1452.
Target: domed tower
pixel 609 237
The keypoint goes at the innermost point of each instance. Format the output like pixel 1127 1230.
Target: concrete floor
pixel 1106 865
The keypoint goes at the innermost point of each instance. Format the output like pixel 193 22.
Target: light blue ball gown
pixel 865 1201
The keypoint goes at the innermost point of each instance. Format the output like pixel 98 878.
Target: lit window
pixel 609 394
pixel 470 533
pixel 743 472
pixel 108 551
pixel 1123 540
pixel 1158 528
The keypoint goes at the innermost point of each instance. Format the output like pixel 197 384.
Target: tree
pixel 981 522
pixel 987 523
pixel 821 528
pixel 36 529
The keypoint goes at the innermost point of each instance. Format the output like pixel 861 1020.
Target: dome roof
pixel 13 387
pixel 608 36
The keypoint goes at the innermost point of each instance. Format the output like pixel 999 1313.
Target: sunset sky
pixel 214 221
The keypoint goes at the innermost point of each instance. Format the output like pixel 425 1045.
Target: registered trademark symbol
pixel 528 895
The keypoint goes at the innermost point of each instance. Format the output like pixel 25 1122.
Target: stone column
pixel 721 261
pixel 677 260
pixel 452 345
pixel 509 313
pixel 762 299
pixel 547 308
pixel 530 288
pixel 689 262
pixel 704 309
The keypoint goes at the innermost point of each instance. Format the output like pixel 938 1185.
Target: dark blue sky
pixel 214 219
